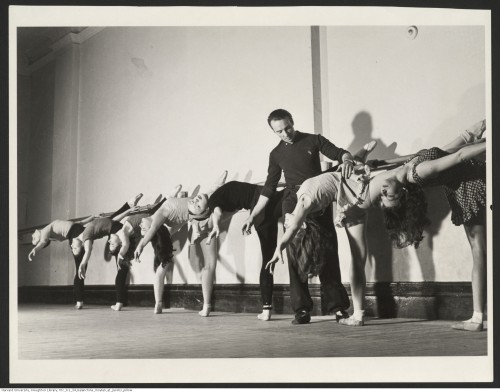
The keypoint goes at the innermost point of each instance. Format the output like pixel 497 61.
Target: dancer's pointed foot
pixel 474 132
pixel 79 305
pixel 205 312
pixel 117 307
pixel 174 192
pixel 265 315
pixel 352 322
pixel 362 154
pixel 134 200
pixel 158 199
pixel 368 147
pixel 158 308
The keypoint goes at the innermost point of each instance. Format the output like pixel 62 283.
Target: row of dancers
pixel 305 204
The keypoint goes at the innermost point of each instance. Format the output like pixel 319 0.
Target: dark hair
pixel 163 248
pixel 279 114
pixel 310 251
pixel 405 222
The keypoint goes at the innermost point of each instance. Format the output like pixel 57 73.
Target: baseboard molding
pixel 426 300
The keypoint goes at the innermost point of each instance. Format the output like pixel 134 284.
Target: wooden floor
pixel 60 332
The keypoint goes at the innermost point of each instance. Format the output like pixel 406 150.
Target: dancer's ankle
pixel 477 317
pixel 205 312
pixel 158 308
pixel 359 314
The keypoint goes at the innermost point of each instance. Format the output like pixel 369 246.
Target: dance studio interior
pixel 107 113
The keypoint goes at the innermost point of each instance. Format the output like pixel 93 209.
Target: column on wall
pixel 65 153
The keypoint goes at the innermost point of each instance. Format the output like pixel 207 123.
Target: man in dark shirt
pixel 297 156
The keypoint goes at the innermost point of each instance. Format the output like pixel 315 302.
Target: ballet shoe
pixel 351 321
pixel 468 326
pixel 205 312
pixel 117 307
pixel 134 200
pixel 79 305
pixel 158 199
pixel 158 308
pixel 477 129
pixel 368 147
pixel 475 132
pixel 264 316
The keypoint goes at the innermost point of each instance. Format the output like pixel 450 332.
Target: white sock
pixel 79 304
pixel 477 317
pixel 359 314
pixel 265 315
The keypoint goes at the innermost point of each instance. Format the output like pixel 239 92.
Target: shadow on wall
pixel 196 260
pixel 380 251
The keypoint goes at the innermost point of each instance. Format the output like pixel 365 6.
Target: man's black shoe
pixel 301 317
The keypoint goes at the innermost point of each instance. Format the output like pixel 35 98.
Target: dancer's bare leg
pixel 208 274
pixel 476 234
pixel 159 285
pixel 357 242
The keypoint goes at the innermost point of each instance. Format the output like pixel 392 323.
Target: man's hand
pixel 214 233
pixel 82 270
pixel 247 226
pixel 346 168
pixel 278 256
pixel 32 254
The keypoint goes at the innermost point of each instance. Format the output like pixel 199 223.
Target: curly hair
pixel 405 223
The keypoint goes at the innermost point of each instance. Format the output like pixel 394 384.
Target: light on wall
pixel 412 32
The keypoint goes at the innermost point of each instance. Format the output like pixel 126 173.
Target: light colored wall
pixel 163 106
pixel 417 94
pixel 154 107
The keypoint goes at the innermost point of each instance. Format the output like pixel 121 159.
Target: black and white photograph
pixel 250 195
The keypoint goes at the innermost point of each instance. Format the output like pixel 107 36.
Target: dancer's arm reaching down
pixel 257 210
pixel 216 217
pixel 431 169
pixel 40 245
pixel 294 223
pixel 157 220
pixel 87 246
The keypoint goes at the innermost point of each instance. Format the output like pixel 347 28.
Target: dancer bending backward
pixel 175 213
pixel 62 230
pixel 297 156
pixel 399 193
pixel 103 227
pixel 122 245
pixel 235 196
